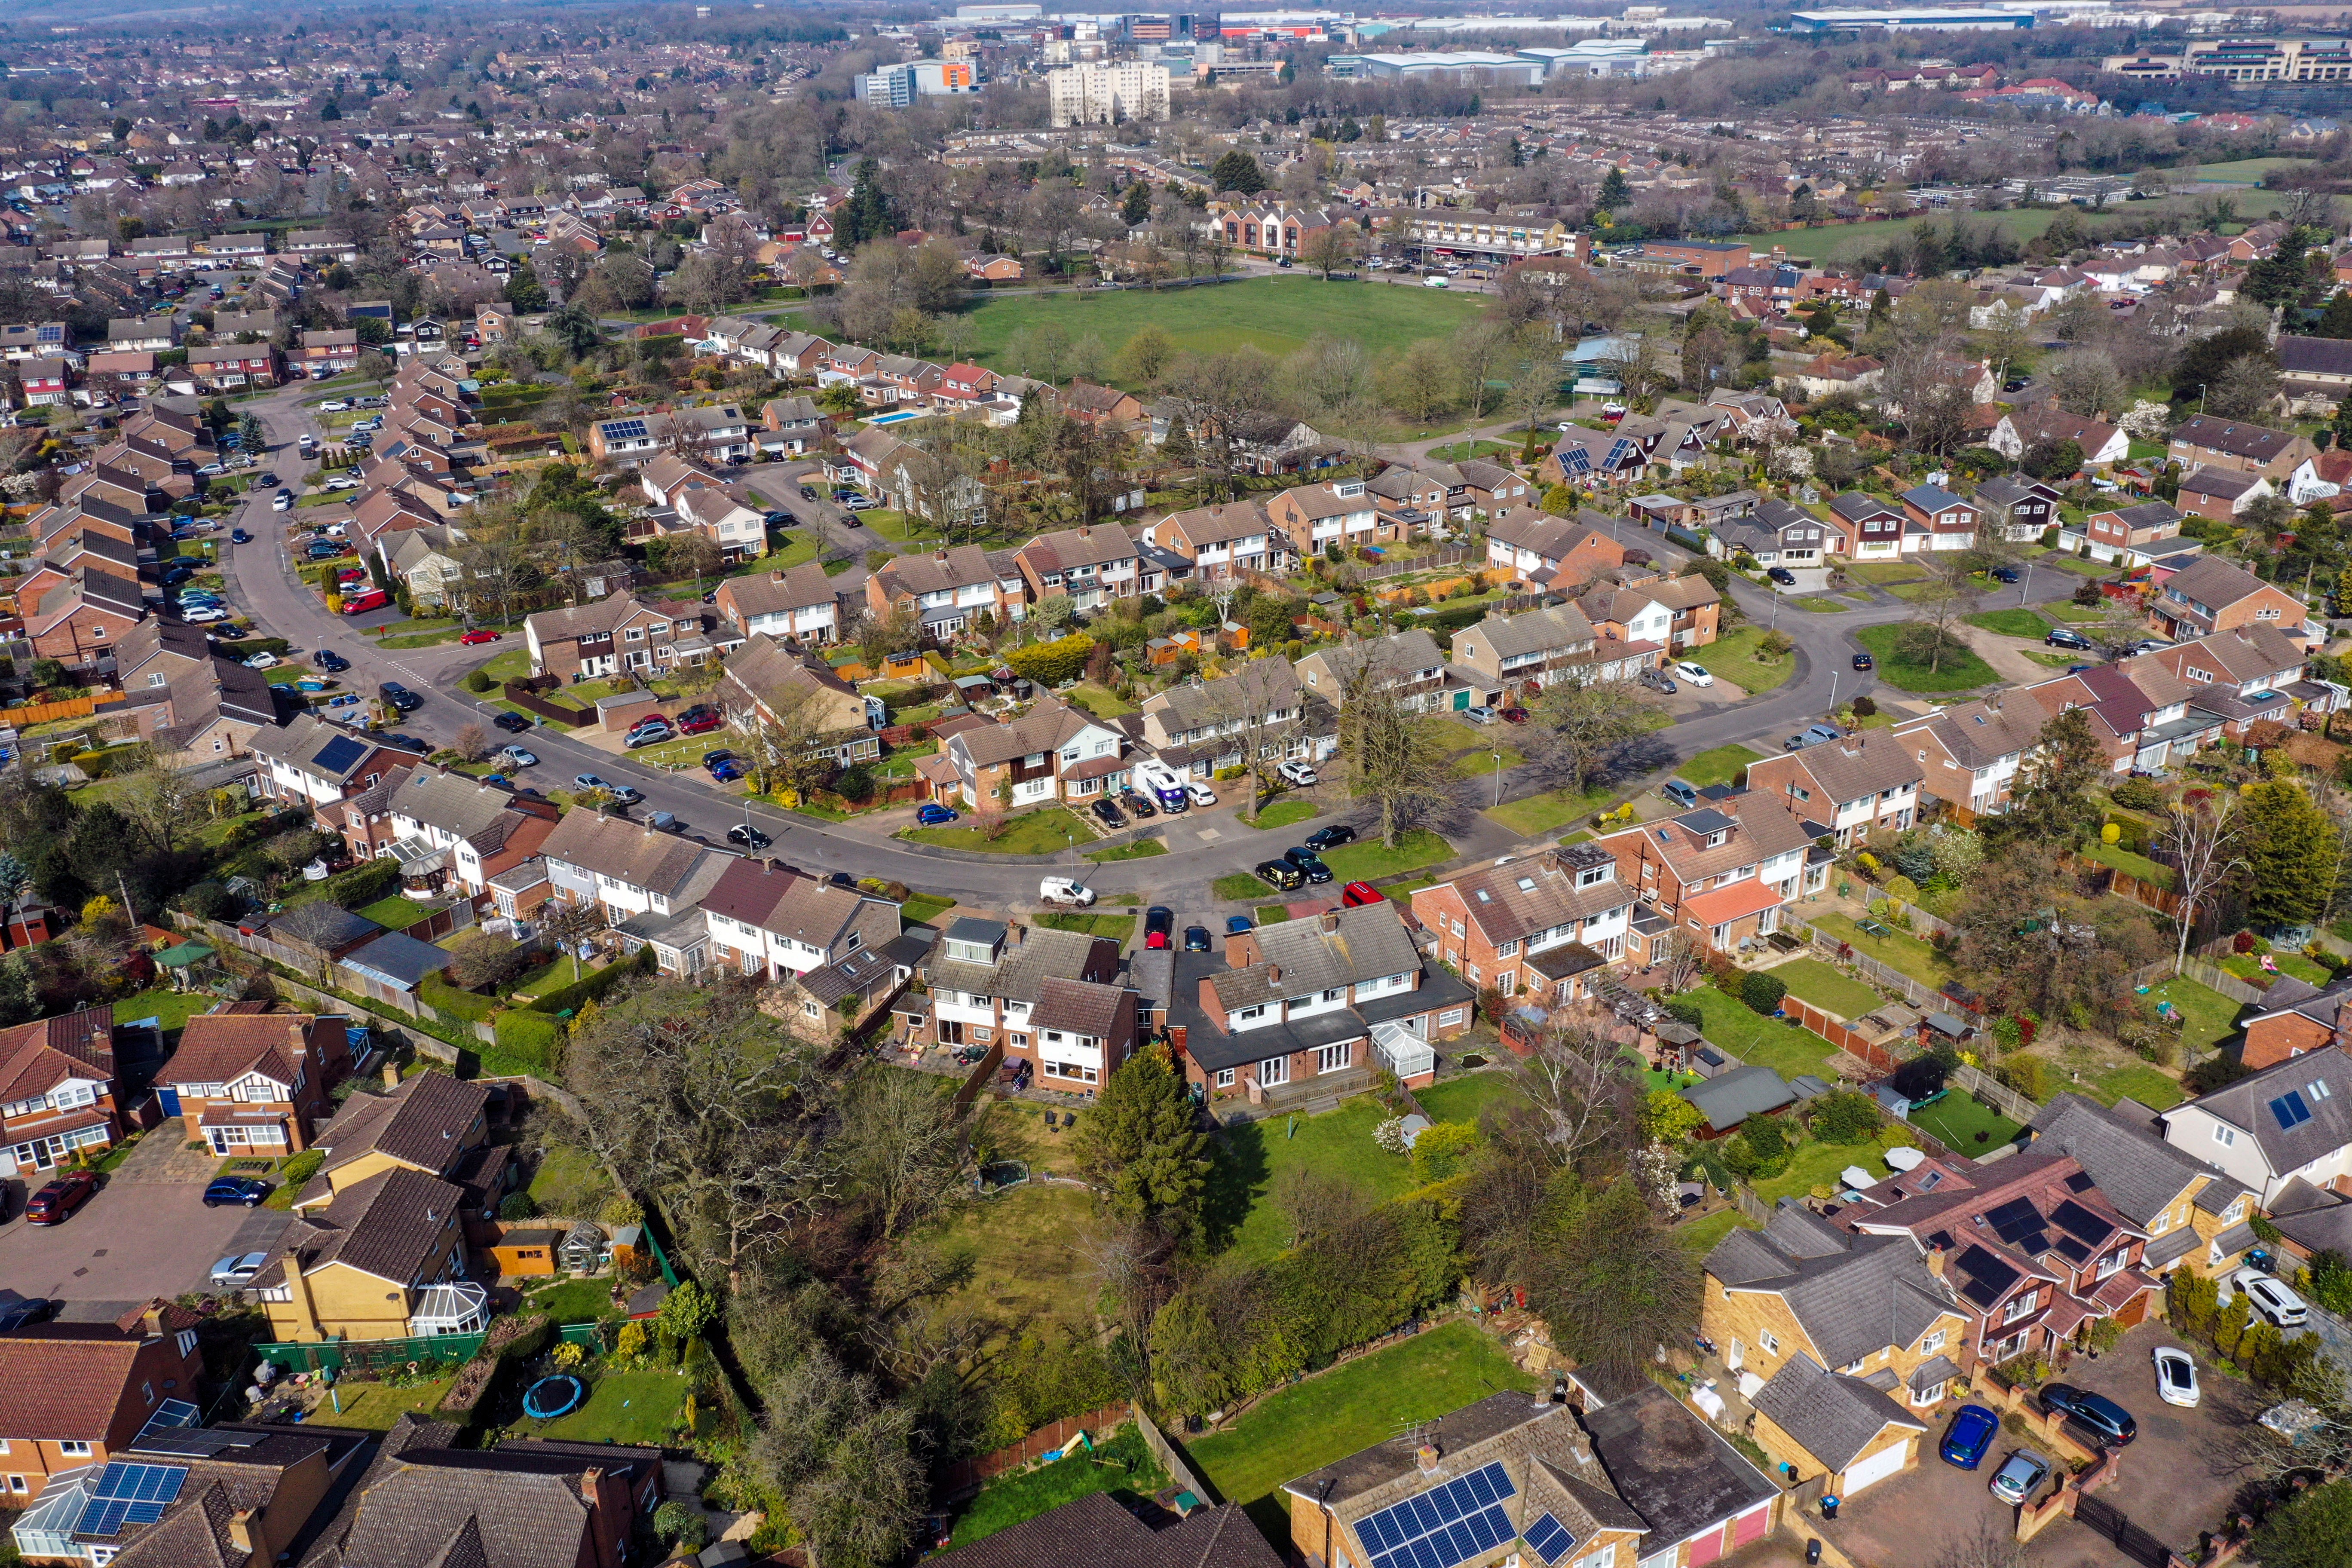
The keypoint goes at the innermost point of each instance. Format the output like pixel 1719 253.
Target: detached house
pixel 76 1395
pixel 1863 783
pixel 799 694
pixel 2132 535
pixel 1339 514
pixel 381 1260
pixel 2288 1122
pixel 1865 527
pixel 1054 751
pixel 254 1083
pixel 1970 755
pixel 2017 511
pixel 1543 925
pixel 2048 425
pixel 428 1123
pixel 2211 595
pixel 1776 533
pixel 1688 608
pixel 57 1091
pixel 610 635
pixel 1938 521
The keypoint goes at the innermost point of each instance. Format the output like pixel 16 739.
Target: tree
pixel 1135 207
pixel 2200 364
pixel 1390 756
pixel 843 1460
pixel 569 925
pixel 898 1146
pixel 2313 1530
pixel 1579 724
pixel 1237 170
pixel 2060 460
pixel 1147 354
pixel 1419 383
pixel 1616 194
pixel 472 742
pixel 2278 278
pixel 1139 1148
pixel 2059 774
pixel 2290 856
pixel 1933 632
pixel 2336 320
pixel 1575 1079
pixel 1330 248
pixel 1620 1283
pixel 2247 388
pixel 2200 834
pixel 165 804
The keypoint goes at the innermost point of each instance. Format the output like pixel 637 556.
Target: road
pixel 261 582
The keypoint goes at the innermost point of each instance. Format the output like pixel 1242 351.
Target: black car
pixel 512 724
pixel 1158 921
pixel 1108 814
pixel 239 536
pixel 1864 661
pixel 322 551
pixel 1196 939
pixel 241 1190
pixel 2004 573
pixel 850 521
pixel 400 697
pixel 266 482
pixel 2059 637
pixel 1330 838
pixel 749 836
pixel 1310 865
pixel 173 576
pixel 1280 874
pixel 409 743
pixel 1783 575
pixel 807 493
pixel 1139 805
pixel 25 1311
pixel 2111 1423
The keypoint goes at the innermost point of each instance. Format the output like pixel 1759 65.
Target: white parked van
pixel 1063 890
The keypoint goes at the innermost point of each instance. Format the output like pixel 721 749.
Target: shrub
pixel 2028 1075
pixel 1903 890
pixel 366 883
pixel 1226 776
pixel 477 681
pixel 2242 942
pixel 1846 1117
pixel 2137 794
pixel 1865 707
pixel 1762 991
pixel 302 1167
pixel 1685 1010
pixel 681 1524
pixel 518 1206
pixel 1760 1151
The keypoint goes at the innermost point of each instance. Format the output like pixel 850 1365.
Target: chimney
pixel 1013 933
pixel 940 556
pixel 1330 922
pixel 391 1076
pixel 1936 1261
pixel 242 1533
pixel 1085 530
pixel 1273 972
pixel 1426 1458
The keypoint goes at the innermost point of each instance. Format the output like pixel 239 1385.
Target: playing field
pixel 1840 240
pixel 1277 314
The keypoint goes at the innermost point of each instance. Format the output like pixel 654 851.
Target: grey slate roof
pixel 1743 1092
pixel 1833 1415
pixel 1096 1530
pixel 2246 1105
pixel 2135 1169
pixel 1365 944
pixel 1852 1294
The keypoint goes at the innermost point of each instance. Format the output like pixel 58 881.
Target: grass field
pixel 1368 1401
pixel 1462 1098
pixel 1541 814
pixel 1898 951
pixel 1959 671
pixel 1965 1123
pixel 1722 765
pixel 1238 885
pixel 1811 980
pixel 1035 832
pixel 1281 814
pixel 1884 573
pixel 2013 622
pixel 1854 239
pixel 635 1408
pixel 1278 315
pixel 1732 658
pixel 1023 1245
pixel 1250 1160
pixel 2209 1016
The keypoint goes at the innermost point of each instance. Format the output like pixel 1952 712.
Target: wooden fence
pixel 49 712
pixel 1884 976
pixel 529 702
pixel 1914 914
pixel 1435 560
pixel 967 1475
pixel 1998 1095
pixel 2213 977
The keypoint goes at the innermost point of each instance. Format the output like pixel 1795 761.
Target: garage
pixel 1888 1461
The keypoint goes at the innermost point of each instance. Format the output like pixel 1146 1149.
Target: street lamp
pixel 1499 773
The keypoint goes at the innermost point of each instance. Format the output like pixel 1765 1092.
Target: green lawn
pixel 1238 885
pixel 374 1406
pixel 2013 622
pixel 1369 858
pixel 922 909
pixel 1898 951
pixel 2155 1090
pixel 2138 866
pixel 1033 833
pixel 572 1301
pixel 1368 1401
pixel 1281 814
pixel 2248 967
pixel 1485 764
pixel 1813 981
pixel 1276 314
pixel 1122 1464
pixel 1959 670
pixel 1821 1164
pixel 1463 451
pixel 1142 850
pixel 172 1008
pixel 1722 765
pixel 1023 1246
pixel 2209 1016
pixel 1250 1160
pixel 1541 814
pixel 796 551
pixel 569 1183
pixel 1965 1123
pixel 1732 657
pixel 1884 573
pixel 1702 1236
pixel 1100 700
pixel 633 1407
pixel 1118 927
pixel 394 913
pixel 1462 1098
pixel 1757 1040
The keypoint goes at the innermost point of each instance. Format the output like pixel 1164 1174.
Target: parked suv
pixel 54 1203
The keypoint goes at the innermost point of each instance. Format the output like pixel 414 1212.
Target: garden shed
pixel 583 1249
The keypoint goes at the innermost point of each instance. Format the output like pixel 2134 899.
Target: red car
pixel 700 724
pixel 53 1203
pixel 1356 893
pixel 477 635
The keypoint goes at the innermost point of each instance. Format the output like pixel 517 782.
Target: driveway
pixel 1916 1516
pixel 146 1234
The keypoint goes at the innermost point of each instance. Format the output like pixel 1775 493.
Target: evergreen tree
pixel 1882 311
pixel 2335 322
pixel 1139 1148
pixel 1237 170
pixel 1615 193
pixel 2277 278
pixel 2291 850
pixel 866 213
pixel 1518 155
pixel 2055 807
pixel 1136 206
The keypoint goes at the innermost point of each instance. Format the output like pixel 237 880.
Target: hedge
pixel 443 997
pixel 568 998
pixel 524 1033
pixel 364 884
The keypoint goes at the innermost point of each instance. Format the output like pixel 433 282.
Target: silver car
pixel 2015 1480
pixel 234 1273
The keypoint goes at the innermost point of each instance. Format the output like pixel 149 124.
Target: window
pixel 2022 1307
pixel 74 1450
pixel 16 1484
pixel 1772 1345
pixel 1274 1071
pixel 1923 1397
pixel 1331 1058
pixel 2226 1136
pixel 1854 1366
pixel 2160 1224
pixel 809 1009
pixel 1930 1344
pixel 1225 1078
pixel 2234 1213
pixel 1248 1014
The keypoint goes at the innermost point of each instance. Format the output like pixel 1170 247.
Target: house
pixel 1049 997
pixel 1688 608
pixel 1339 514
pixel 254 1083
pixel 325 352
pixel 802 699
pixel 2284 1122
pixel 1308 1007
pixel 1222 542
pixel 1054 751
pixel 622 631
pixel 1875 1335
pixel 2316 372
pixel 2211 595
pixel 1408 662
pixel 227 366
pixel 2244 676
pixel 428 1123
pixel 57 1091
pixel 1555 554
pixel 1091 565
pixel 2208 442
pixel 1200 726
pixel 2032 1246
pixel 1410 505
pixel 1723 871
pixel 771 921
pixel 1492 487
pixel 1601 460
pixel 1830 372
pixel 1543 925
pixel 1867 782
pixel 627 867
pixel 2221 494
pixel 75 1396
pixel 366 1265
pixel 454 833
pixel 2046 425
pixel 1776 533
pixel 1970 755
pixel 2124 535
pixel 796 423
pixel 949 588
pixel 1638 1478
pixel 1084 401
pixel 1865 527
pixel 1536 648
pixel 1102 1533
pixel 2016 511
pixel 798 605
pixel 1938 519
pixel 633 438
pixel 2193 1215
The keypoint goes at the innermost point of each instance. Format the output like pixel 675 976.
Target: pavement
pixel 261 583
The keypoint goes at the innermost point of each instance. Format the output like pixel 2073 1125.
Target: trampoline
pixel 552 1396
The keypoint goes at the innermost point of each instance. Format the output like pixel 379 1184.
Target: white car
pixel 1201 793
pixel 1299 774
pixel 515 756
pixel 235 1271
pixel 1063 890
pixel 262 661
pixel 203 617
pixel 340 482
pixel 333 405
pixel 2176 1375
pixel 2272 1299
pixel 1696 674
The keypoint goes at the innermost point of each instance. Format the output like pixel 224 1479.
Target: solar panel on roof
pixel 2075 1220
pixel 2290 1110
pixel 2014 1219
pixel 129 1494
pixel 1443 1527
pixel 339 754
pixel 176 1413
pixel 1548 1539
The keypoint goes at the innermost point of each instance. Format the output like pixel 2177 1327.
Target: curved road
pixel 262 583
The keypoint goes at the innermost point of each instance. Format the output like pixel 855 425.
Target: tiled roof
pixel 625 850
pixel 423 1123
pixel 217 1047
pixel 1835 1416
pixel 1096 1531
pixel 776 593
pixel 64 1388
pixel 1852 1294
pixel 1527 897
pixel 2256 443
pixel 1321 951
pixel 2138 1172
pixel 1559 629
pixel 390 1224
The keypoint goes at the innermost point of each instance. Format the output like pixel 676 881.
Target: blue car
pixel 934 815
pixel 241 1190
pixel 727 772
pixel 1970 1436
pixel 1236 924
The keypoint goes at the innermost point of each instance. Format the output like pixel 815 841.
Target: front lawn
pixel 923 909
pixel 1959 670
pixel 1141 849
pixel 1041 832
pixel 1722 765
pixel 1118 927
pixel 1540 814
pixel 629 1407
pixel 1282 813
pixel 1369 858
pixel 1249 1161
pixel 1462 1098
pixel 1964 1124
pixel 2013 622
pixel 1485 764
pixel 1122 1464
pixel 1898 950
pixel 1811 980
pixel 1757 1040
pixel 1733 656
pixel 1238 886
pixel 1368 1401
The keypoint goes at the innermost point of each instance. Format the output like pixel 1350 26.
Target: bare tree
pixel 1212 393
pixel 778 732
pixel 1576 1080
pixel 1261 711
pixel 1331 247
pixel 900 1151
pixel 569 925
pixel 2201 835
pixel 1390 756
pixel 472 743
pixel 164 804
pixel 1579 723
pixel 1933 634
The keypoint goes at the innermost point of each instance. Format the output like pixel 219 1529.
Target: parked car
pixel 717 755
pixel 262 661
pixel 1139 805
pixel 1281 874
pixel 400 697
pixel 1970 1437
pixel 728 772
pixel 2111 1422
pixel 245 1190
pixel 861 503
pixel 1108 814
pixel 2018 1475
pixel 2004 573
pixel 328 659
pixel 699 723
pixel 1519 715
pixel 1330 838
pixel 1479 714
pixel 1864 661
pixel 2059 637
pixel 512 724
pixel 55 1202
pixel 749 836
pixel 589 784
pixel 2176 1375
pixel 1783 575
pixel 265 480
pixel 1201 794
pixel 237 1271
pixel 409 743
pixel 1064 891
pixel 515 756
pixel 1301 774
pixel 1358 893
pixel 1696 674
pixel 1811 735
pixel 1236 925
pixel 1675 791
pixel 1310 865
pixel 2272 1299
pixel 204 615
pixel 478 636
pixel 934 815
pixel 25 1311
pixel 239 536
pixel 1196 939
pixel 648 737
pixel 1158 921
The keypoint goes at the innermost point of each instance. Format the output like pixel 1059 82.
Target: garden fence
pixel 1750 1204
pixel 1435 560
pixel 1165 1452
pixel 1916 915
pixel 2213 977
pixel 1998 1095
pixel 967 1475
pixel 369 1355
pixel 1884 976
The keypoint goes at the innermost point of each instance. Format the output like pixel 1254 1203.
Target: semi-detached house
pixel 319 763
pixel 948 587
pixel 1861 785
pixel 799 605
pixel 1090 565
pixel 451 830
pixel 57 1090
pixel 622 632
pixel 1004 984
pixel 1339 513
pixel 1222 542
pixel 1555 554
pixel 1723 871
pixel 1054 751
pixel 2290 1121
pixel 1970 755
pixel 1203 725
pixel 1543 925
pixel 628 869
pixel 767 921
pixel 2195 1216
pixel 1539 648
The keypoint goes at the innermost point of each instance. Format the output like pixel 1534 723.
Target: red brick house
pixel 57 1090
pixel 75 1395
pixel 255 1082
pixel 1544 926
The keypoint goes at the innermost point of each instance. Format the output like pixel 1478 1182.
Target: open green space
pixel 1118 927
pixel 1463 1098
pixel 1757 1040
pixel 796 551
pixel 1720 765
pixel 1487 764
pixel 629 1407
pixel 1369 858
pixel 572 1301
pixel 2208 1017
pixel 173 1008
pixel 374 1406
pixel 1811 980
pixel 1023 1246
pixel 394 913
pixel 1282 813
pixel 1896 950
pixel 1238 885
pixel 1732 657
pixel 1368 1401
pixel 1480 446
pixel 1122 1464
pixel 1278 315
pixel 1964 1124
pixel 1848 239
pixel 2013 622
pixel 1040 832
pixel 1541 814
pixel 1249 1161
pixel 1141 849
pixel 1958 669
pixel 2251 169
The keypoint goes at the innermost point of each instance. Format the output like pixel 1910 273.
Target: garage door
pixel 1876 1468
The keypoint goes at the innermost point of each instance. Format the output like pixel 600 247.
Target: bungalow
pixel 2221 494
pixel 2048 425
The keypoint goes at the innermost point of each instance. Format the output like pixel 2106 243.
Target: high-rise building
pixel 1095 93
pixel 899 85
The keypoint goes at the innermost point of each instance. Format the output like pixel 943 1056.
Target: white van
pixel 1435 281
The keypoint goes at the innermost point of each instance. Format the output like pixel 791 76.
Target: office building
pixel 1948 19
pixel 899 85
